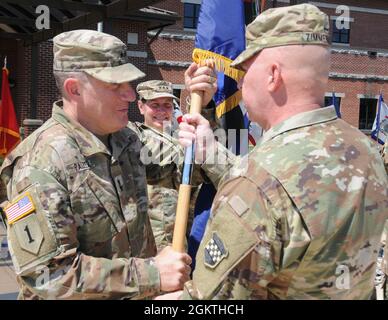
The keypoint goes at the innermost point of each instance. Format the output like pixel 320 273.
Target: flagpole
pixel 183 205
pixel 5 62
pixel 378 119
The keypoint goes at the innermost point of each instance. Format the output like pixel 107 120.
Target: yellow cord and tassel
pixel 228 104
pixel 221 64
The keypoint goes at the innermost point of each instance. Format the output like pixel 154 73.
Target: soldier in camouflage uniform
pixel 385 233
pixel 302 217
pixel 156 105
pixel 163 171
pixel 382 268
pixel 382 259
pixel 75 190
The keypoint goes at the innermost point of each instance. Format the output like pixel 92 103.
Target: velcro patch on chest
pixel 19 208
pixel 215 251
pixel 238 205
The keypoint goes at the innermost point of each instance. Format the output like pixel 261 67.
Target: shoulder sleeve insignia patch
pixel 215 251
pixel 19 208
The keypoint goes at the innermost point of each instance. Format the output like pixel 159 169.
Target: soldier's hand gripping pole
pixel 182 211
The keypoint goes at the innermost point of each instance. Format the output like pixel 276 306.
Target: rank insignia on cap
pixel 19 208
pixel 215 251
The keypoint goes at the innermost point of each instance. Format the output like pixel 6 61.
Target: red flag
pixel 9 129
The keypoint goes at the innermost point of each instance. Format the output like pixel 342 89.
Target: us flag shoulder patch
pixel 215 251
pixel 19 208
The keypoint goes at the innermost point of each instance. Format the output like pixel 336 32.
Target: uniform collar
pixel 300 120
pixel 87 141
pixel 144 127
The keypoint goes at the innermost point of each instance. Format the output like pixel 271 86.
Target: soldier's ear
pixel 140 106
pixel 71 88
pixel 275 78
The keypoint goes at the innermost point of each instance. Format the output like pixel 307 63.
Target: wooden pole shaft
pixel 178 242
pixel 182 211
pixel 196 102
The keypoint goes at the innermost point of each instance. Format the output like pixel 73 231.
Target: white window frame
pixel 193 2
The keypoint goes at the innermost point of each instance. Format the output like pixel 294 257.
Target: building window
pixel 328 101
pixel 132 38
pixel 176 92
pixel 191 13
pixel 340 35
pixel 367 113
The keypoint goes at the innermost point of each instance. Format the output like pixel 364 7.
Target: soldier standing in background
pixel 303 216
pixel 164 156
pixel 163 153
pixel 156 105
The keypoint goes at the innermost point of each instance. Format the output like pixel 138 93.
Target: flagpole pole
pixel 378 120
pixel 182 211
pixel 5 62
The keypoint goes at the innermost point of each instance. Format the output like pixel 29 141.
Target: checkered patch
pixel 215 251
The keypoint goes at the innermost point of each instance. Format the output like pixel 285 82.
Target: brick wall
pixel 23 88
pixel 368 31
pixel 9 49
pixel 358 64
pixel 172 50
pixel 175 6
pixel 47 92
pixel 350 104
pixel 47 89
pixel 120 29
pixel 377 4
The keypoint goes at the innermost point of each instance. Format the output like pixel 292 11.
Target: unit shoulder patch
pixel 29 234
pixel 215 251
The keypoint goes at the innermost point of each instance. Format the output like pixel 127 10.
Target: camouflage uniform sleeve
pixel 47 257
pixel 232 259
pixel 385 260
pixel 381 277
pixel 245 239
pixel 385 156
pixel 219 162
pixel 211 170
pixel 162 207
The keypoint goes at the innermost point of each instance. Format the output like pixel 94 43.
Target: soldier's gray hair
pixel 61 77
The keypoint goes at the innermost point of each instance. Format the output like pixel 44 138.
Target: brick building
pixel 359 54
pixel 30 62
pixel 160 42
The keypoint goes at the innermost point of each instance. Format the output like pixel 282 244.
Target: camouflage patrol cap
pixel 153 89
pixel 98 54
pixel 292 25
